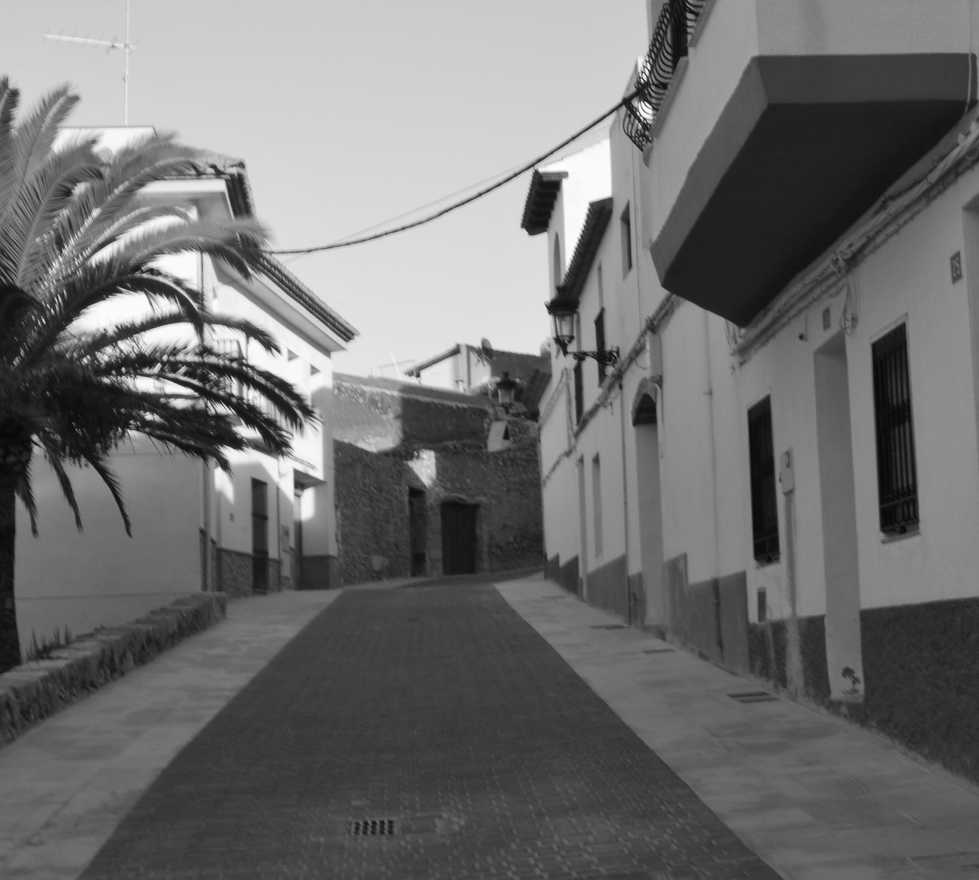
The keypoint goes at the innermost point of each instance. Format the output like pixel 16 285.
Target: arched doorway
pixel 645 421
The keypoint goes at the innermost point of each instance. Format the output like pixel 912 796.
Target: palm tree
pixel 73 236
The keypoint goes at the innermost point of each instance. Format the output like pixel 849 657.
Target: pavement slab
pixel 421 733
pixel 818 797
pixel 67 783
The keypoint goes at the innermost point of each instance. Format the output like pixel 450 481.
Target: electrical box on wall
pixel 786 475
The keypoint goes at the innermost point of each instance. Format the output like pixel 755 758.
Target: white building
pixel 782 469
pixel 269 524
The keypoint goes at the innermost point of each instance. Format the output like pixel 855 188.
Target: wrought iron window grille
pixel 897 481
pixel 668 45
pixel 764 497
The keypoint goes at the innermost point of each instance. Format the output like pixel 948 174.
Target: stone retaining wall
pixel 38 689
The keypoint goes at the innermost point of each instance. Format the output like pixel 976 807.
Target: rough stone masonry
pixel 418 489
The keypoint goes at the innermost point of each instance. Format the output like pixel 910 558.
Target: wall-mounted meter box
pixel 786 475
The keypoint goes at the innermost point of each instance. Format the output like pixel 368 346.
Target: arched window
pixel 558 273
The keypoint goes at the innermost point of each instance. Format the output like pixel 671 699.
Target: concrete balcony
pixel 784 123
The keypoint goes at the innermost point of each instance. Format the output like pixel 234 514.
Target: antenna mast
pixel 126 46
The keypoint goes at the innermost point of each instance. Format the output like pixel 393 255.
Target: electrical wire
pixel 455 206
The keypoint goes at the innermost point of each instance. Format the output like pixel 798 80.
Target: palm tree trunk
pixel 9 637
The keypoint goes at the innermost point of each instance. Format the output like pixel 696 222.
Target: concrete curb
pixel 36 690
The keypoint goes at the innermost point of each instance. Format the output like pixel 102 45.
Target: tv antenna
pixel 125 45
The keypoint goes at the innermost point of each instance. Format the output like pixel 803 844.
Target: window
pixel 230 348
pixel 896 475
pixel 625 228
pixel 596 489
pixel 764 501
pixel 579 393
pixel 600 342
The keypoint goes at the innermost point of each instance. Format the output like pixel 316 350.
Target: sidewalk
pixel 66 784
pixel 815 796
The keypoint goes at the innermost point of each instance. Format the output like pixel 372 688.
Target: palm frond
pixel 36 135
pixel 9 98
pixel 237 242
pixel 32 142
pixel 131 330
pixel 111 481
pixel 97 284
pixel 75 233
pixel 97 207
pixel 39 203
pixel 53 454
pixel 24 490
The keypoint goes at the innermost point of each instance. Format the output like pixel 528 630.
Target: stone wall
pixel 372 514
pixel 381 414
pixel 391 438
pixel 40 688
pixel 234 572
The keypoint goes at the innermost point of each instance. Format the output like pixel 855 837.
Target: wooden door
pixel 260 536
pixel 418 530
pixel 458 538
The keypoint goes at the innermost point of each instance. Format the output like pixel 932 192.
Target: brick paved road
pixel 438 707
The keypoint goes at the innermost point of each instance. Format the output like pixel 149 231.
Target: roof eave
pixel 541 197
pixel 589 241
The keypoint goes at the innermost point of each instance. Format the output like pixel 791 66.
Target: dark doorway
pixel 260 536
pixel 458 538
pixel 418 530
pixel 297 530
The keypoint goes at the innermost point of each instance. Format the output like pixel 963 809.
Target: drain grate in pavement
pixel 372 827
pixel 659 651
pixel 754 697
pixel 608 626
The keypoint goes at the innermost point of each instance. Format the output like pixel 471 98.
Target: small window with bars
pixel 579 393
pixel 600 342
pixel 625 234
pixel 764 498
pixel 897 482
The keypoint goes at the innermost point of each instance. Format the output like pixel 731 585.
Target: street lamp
pixel 562 314
pixel 505 391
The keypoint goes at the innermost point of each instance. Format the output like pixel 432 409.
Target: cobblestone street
pixel 438 708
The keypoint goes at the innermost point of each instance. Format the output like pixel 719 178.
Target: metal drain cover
pixel 754 697
pixel 372 827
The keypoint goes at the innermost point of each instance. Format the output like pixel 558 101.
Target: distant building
pixel 475 370
pixel 432 482
pixel 268 525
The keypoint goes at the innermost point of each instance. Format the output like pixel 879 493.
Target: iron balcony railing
pixel 668 45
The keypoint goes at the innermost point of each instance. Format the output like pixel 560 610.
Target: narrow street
pixel 439 724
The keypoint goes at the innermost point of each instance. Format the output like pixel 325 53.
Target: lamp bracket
pixel 609 357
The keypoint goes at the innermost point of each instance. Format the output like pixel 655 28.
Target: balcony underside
pixel 802 149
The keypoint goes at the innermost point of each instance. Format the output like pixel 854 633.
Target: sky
pixel 348 114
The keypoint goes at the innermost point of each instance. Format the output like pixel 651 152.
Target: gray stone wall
pixel 234 572
pixel 372 506
pixel 387 443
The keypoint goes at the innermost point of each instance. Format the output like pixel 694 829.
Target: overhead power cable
pixel 461 203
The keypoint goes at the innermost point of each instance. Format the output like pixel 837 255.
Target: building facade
pixel 268 524
pixel 781 471
pixel 432 482
pixel 476 370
